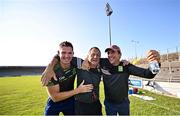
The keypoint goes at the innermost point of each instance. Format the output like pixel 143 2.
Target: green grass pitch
pixel 24 95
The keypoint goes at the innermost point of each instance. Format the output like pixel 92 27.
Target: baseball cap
pixel 114 48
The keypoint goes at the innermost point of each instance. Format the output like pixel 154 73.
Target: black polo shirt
pixel 93 76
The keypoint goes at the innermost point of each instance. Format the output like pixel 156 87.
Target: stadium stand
pixel 170 68
pixel 20 70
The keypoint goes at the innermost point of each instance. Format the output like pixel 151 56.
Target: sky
pixel 31 30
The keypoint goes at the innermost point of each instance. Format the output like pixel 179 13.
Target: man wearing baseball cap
pixel 116 83
pixel 114 48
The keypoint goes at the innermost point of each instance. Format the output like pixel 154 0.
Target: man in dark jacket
pixel 116 78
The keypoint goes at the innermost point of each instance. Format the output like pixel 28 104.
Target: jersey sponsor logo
pixel 68 74
pixel 120 68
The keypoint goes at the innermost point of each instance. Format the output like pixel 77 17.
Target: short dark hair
pixel 66 44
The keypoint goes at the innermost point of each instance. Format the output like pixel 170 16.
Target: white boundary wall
pixel 164 88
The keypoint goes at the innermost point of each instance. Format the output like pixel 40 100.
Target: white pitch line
pixel 162 107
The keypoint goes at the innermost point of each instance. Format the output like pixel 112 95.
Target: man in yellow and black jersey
pixel 61 91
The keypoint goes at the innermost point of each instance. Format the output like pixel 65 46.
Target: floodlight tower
pixel 109 11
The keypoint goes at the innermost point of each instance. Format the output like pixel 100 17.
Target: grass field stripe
pixel 163 107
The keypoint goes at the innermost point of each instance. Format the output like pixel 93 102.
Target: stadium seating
pixel 20 70
pixel 170 68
